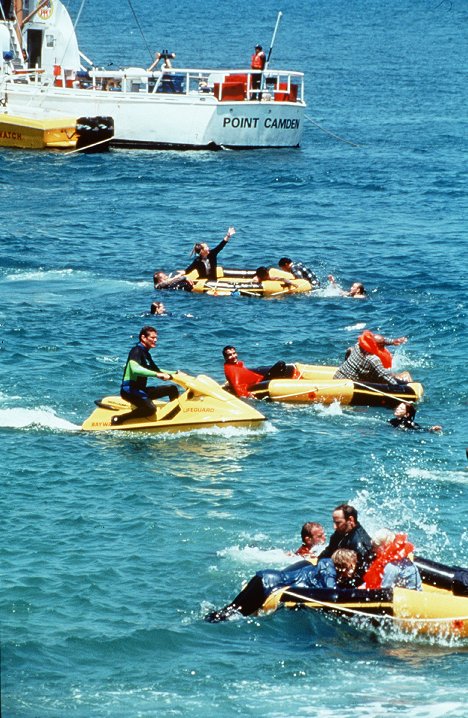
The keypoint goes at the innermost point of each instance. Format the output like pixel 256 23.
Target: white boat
pixel 42 70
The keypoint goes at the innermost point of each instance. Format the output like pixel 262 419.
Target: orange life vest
pixel 398 549
pixel 258 61
pixel 368 344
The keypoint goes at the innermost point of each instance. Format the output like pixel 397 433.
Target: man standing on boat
pixel 139 367
pixel 258 63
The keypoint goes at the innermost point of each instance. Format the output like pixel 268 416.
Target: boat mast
pixel 280 15
pixel 19 11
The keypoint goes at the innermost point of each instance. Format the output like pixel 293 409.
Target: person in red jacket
pixel 242 380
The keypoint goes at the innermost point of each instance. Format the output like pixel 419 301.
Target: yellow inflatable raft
pixel 315 383
pixel 430 612
pixel 440 609
pixel 238 281
pixel 203 403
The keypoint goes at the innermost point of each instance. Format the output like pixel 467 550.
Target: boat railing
pixel 223 85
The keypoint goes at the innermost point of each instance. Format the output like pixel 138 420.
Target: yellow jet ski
pixel 203 403
pixel 315 383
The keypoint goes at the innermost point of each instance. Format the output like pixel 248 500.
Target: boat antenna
pixel 79 14
pixel 280 15
pixel 140 29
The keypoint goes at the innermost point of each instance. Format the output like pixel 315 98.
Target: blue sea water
pixel 115 546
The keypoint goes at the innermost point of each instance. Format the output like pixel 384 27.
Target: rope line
pixel 140 29
pixel 355 612
pixel 327 132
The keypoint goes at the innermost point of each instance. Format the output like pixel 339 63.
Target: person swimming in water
pixel 356 291
pixel 403 418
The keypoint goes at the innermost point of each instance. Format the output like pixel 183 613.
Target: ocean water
pixel 115 546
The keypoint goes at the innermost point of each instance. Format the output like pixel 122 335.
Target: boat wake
pixel 455 477
pixel 256 556
pixel 19 418
pixel 226 432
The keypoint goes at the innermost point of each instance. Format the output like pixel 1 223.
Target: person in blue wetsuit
pixel 328 573
pixel 139 367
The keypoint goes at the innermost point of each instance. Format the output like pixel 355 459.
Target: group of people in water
pixel 368 361
pixel 350 560
pixel 205 265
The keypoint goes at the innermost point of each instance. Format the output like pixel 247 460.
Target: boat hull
pixel 428 612
pixel 160 121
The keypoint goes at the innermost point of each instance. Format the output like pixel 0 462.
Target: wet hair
pixel 410 410
pixel 144 331
pixel 344 558
pixel 284 261
pixel 262 273
pixel 226 348
pixel 155 306
pixel 159 277
pixel 348 511
pixel 362 289
pixel 382 536
pixel 307 529
pixel 197 248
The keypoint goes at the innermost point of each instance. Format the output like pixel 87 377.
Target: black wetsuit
pixel 357 540
pixel 405 422
pixel 207 266
pixel 139 367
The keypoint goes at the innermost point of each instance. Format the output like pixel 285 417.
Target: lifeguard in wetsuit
pixel 242 380
pixel 139 367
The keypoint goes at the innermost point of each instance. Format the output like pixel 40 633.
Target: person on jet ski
pixel 139 367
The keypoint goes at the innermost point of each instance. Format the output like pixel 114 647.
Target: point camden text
pixel 269 122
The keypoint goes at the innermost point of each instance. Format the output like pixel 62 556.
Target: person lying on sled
pixel 328 573
pixel 242 380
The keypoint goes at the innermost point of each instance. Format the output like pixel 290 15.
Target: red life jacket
pixel 258 61
pixel 398 549
pixel 241 378
pixel 368 344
